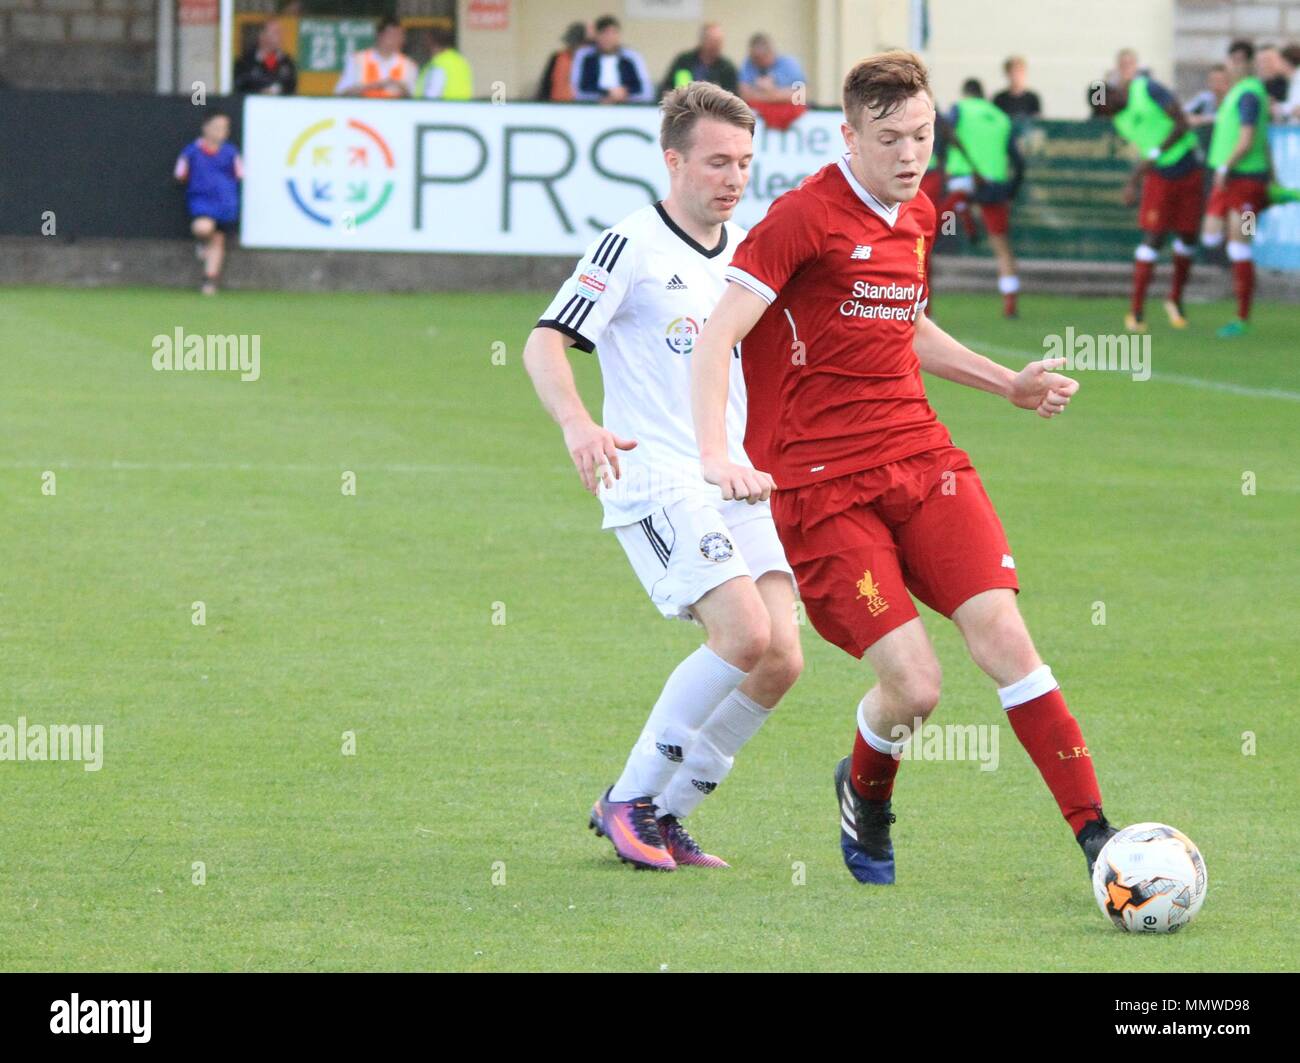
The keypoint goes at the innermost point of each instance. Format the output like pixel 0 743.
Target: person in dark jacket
pixel 703 63
pixel 557 80
pixel 1018 101
pixel 608 72
pixel 265 69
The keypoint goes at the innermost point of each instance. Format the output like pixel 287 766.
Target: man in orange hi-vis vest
pixel 381 71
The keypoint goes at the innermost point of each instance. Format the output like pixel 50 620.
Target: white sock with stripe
pixel 712 754
pixel 696 687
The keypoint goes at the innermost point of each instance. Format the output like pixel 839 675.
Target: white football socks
pixel 692 692
pixel 711 755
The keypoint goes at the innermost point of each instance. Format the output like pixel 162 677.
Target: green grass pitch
pixel 454 838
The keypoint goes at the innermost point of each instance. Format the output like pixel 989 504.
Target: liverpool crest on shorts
pixel 716 547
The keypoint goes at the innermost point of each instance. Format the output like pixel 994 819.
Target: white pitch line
pixel 1227 388
pixel 216 466
pixel 1223 386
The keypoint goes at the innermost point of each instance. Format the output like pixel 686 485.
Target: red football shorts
pixel 996 217
pixel 860 543
pixel 1238 194
pixel 1172 205
pixel 932 186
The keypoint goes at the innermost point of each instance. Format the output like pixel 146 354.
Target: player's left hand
pixel 1037 388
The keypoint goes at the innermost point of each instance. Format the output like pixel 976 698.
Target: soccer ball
pixel 1149 878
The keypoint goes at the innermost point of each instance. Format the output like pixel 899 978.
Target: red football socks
pixel 1243 284
pixel 1051 737
pixel 872 772
pixel 1142 274
pixel 1182 270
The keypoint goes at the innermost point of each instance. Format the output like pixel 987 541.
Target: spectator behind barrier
pixel 1202 107
pixel 765 76
pixel 447 76
pixel 1287 66
pixel 382 71
pixel 705 62
pixel 1271 70
pixel 1017 100
pixel 266 69
pixel 210 169
pixel 609 73
pixel 557 79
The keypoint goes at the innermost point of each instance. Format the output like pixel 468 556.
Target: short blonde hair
pixel 884 83
pixel 683 107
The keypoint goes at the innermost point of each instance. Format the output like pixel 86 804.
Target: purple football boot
pixel 631 828
pixel 683 847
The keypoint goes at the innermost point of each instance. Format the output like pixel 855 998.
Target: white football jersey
pixel 639 298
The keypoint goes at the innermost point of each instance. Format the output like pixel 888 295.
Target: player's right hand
pixel 594 451
pixel 738 481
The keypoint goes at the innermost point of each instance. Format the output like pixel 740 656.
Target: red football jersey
pixel 834 383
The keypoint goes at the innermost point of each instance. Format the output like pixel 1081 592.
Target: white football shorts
pixel 684 550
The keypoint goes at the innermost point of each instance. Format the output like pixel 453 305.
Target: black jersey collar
pixel 707 252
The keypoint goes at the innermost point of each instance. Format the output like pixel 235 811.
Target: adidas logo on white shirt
pixel 675 285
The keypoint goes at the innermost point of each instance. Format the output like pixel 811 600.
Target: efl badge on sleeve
pixel 592 282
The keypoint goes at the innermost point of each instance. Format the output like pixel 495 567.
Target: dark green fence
pixel 1071 203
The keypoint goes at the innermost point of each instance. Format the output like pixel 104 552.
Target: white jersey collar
pixel 889 215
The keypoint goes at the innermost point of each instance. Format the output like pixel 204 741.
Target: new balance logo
pixel 673 753
pixel 1008 561
pixel 862 251
pixel 704 787
pixel 675 285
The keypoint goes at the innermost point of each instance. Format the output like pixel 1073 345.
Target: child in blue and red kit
pixel 211 169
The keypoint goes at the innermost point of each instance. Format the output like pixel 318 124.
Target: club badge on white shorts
pixel 716 547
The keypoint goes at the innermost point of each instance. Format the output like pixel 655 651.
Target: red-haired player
pixel 874 499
